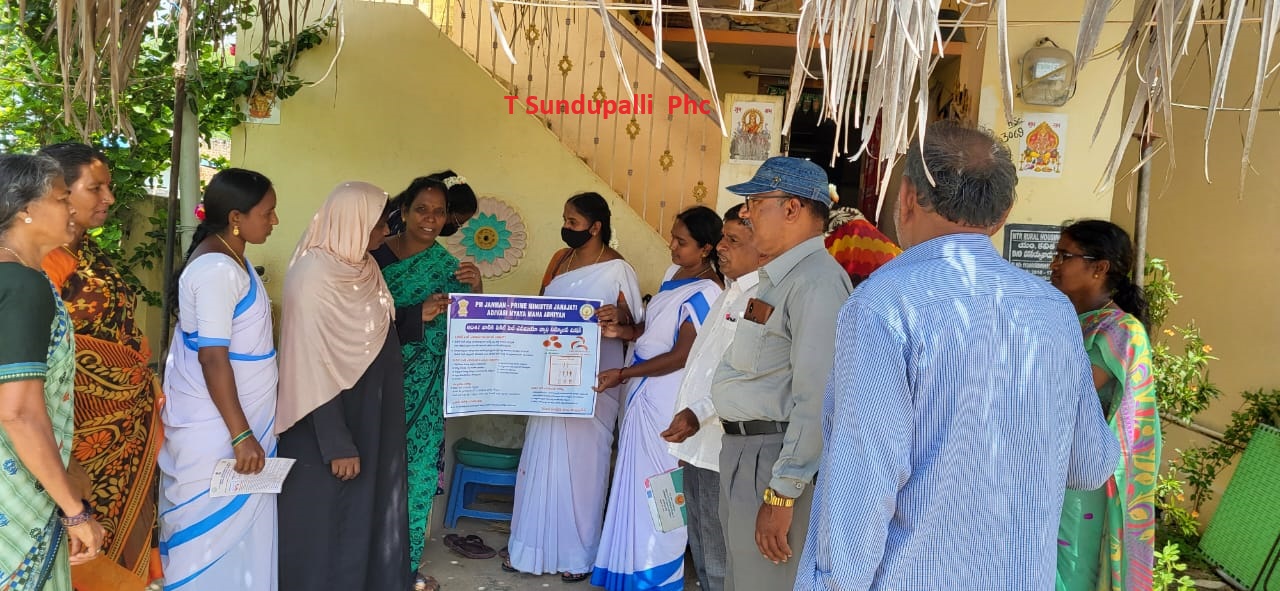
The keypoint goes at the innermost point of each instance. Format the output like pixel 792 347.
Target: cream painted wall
pixel 403 101
pixel 1052 201
pixel 1221 245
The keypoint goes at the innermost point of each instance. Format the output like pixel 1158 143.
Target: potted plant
pixel 270 77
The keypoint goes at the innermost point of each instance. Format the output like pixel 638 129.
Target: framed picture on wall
pixel 751 132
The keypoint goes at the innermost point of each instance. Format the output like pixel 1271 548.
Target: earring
pixel 235 231
pixel 26 220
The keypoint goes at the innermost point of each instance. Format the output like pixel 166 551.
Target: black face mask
pixel 574 238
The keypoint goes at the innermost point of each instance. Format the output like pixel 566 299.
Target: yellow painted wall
pixel 403 101
pixel 1052 201
pixel 1221 245
pixel 730 79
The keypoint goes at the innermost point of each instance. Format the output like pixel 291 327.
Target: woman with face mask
pixel 421 274
pixel 564 467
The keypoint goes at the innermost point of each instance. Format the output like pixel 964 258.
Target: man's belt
pixel 754 427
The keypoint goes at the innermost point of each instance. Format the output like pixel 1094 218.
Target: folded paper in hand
pixel 227 482
pixel 665 492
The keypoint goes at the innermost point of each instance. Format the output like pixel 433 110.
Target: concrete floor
pixel 457 573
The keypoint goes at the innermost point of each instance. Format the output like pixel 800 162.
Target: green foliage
pixel 32 110
pixel 1182 381
pixel 1203 465
pixel 1183 389
pixel 1177 525
pixel 1158 288
pixel 1168 565
pixel 1181 377
pixel 273 72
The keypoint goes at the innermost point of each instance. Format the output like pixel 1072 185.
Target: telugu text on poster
pixel 521 355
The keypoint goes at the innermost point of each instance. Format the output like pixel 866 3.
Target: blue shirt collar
pixel 945 246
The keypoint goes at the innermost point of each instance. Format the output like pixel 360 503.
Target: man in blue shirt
pixel 961 402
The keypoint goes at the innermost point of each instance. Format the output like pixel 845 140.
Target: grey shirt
pixel 778 371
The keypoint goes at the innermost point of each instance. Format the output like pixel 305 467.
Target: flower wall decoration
pixel 494 239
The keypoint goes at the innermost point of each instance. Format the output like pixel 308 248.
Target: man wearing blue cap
pixel 768 388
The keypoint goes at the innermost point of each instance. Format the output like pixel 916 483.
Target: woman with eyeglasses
pixel 1110 532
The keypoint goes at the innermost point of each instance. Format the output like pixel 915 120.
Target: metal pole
pixel 1143 202
pixel 175 158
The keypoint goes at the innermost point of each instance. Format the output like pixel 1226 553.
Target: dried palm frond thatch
pixel 894 74
pixel 101 40
pixel 97 40
pixel 1156 43
pixel 875 56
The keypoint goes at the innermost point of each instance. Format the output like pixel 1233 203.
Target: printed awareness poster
pixel 521 355
pixel 1044 145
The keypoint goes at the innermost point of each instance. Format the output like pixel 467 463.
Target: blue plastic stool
pixel 469 480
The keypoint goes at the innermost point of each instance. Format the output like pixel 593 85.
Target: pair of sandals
pixel 566 577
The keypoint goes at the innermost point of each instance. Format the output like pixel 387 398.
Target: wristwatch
pixel 777 500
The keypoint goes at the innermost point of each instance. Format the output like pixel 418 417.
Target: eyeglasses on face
pixel 1063 256
pixel 748 204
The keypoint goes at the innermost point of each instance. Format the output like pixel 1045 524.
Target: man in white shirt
pixel 694 434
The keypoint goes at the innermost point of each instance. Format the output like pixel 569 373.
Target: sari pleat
pixel 117 426
pixel 1106 538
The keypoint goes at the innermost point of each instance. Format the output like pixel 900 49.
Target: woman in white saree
pixel 220 382
pixel 564 468
pixel 634 555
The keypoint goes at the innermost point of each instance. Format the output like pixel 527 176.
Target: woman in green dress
pixel 1106 538
pixel 40 508
pixel 420 274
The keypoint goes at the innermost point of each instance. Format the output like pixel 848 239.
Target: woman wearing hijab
pixel 344 518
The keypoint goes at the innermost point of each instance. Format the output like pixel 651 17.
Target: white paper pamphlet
pixel 227 482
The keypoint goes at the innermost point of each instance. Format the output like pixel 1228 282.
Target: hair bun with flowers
pixel 200 212
pixel 453 181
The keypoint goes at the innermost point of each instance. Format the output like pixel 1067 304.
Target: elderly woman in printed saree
pixel 634 555
pixel 1106 538
pixel 420 274
pixel 39 505
pixel 220 388
pixel 117 426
